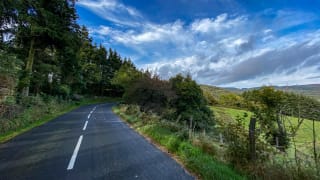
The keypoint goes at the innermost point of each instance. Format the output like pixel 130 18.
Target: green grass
pixel 45 117
pixel 232 113
pixel 193 157
pixel 42 120
pixel 304 135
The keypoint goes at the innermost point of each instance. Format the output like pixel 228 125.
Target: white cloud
pixel 221 22
pixel 113 11
pixel 307 75
pixel 267 31
pixel 226 50
pixel 295 63
pixel 154 33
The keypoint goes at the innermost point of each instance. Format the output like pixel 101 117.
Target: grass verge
pixel 193 158
pixel 43 116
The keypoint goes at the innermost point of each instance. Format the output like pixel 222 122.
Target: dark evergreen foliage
pixel 50 53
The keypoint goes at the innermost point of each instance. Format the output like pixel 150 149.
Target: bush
pixel 190 103
pixel 64 90
pixel 9 111
pixel 179 97
pixel 132 109
pixel 174 137
pixel 76 97
pixel 150 93
pixel 28 101
pixel 237 152
pixel 232 100
pixel 281 171
pixel 210 98
pixel 29 111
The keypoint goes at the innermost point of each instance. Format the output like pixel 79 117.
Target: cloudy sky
pixel 229 43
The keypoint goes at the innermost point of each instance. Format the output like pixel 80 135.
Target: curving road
pixel 90 142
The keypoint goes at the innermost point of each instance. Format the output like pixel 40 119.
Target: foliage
pixel 126 76
pixel 179 98
pixel 48 52
pixel 237 151
pixel 232 100
pixel 35 111
pixel 303 135
pixel 190 103
pixel 150 92
pixel 237 139
pixel 10 65
pixel 210 98
pixel 193 156
pixel 301 106
pixel 9 71
pixel 222 97
pixel 235 134
pixel 267 105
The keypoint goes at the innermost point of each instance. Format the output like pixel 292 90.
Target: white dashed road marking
pixel 85 126
pixel 75 153
pixel 76 149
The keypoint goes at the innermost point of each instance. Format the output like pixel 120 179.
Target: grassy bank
pixel 37 114
pixel 172 138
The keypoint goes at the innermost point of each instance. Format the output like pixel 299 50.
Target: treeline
pixel 44 51
pixel 179 99
pixel 288 103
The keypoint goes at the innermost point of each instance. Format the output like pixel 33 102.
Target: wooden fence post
pixel 252 139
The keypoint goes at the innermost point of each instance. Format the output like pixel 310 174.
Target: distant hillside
pixel 311 90
pixel 217 92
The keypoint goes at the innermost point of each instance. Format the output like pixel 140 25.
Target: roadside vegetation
pixel 38 110
pixel 279 126
pixel 256 133
pixel 196 153
pixel 303 137
pixel 49 64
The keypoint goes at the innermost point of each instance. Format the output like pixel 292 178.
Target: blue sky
pixel 233 43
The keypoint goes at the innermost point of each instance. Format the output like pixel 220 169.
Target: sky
pixel 226 43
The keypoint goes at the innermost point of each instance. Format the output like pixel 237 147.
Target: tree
pixel 268 106
pixel 10 66
pixel 126 75
pixel 58 56
pixel 190 102
pixel 150 93
pixel 42 24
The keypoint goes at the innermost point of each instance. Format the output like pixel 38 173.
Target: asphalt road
pixel 90 142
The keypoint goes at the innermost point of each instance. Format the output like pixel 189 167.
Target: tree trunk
pixel 252 139
pixel 28 69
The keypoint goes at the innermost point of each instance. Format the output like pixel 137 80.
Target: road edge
pixel 47 118
pixel 163 149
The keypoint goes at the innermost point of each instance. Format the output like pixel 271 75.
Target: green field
pixel 304 137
